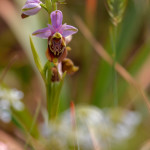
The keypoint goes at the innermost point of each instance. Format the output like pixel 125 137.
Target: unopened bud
pixel 68 66
pixel 31 8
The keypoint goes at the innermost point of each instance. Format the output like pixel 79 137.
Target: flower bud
pixel 31 8
pixel 68 66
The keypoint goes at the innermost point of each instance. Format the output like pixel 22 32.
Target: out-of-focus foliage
pixel 110 127
pixel 92 84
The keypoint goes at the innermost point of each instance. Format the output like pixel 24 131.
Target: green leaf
pixel 140 58
pixel 23 119
pixel 36 58
pixel 102 83
pixel 129 29
pixel 33 124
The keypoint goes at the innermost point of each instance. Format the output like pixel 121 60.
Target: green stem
pixel 114 48
pixel 57 90
pixel 43 6
pixel 48 84
pixel 48 4
pixel 55 6
pixel 115 73
pixel 54 109
pixel 49 99
pixel 53 90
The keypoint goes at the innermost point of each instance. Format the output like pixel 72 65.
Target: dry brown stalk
pixel 143 74
pixel 95 142
pixel 102 52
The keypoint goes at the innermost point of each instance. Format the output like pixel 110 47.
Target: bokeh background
pixel 92 85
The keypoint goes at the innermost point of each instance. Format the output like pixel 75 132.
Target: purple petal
pixel 31 9
pixel 68 30
pixel 68 39
pixel 56 18
pixel 43 33
pixel 52 29
pixel 61 29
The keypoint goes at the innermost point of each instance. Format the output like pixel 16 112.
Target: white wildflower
pixel 10 98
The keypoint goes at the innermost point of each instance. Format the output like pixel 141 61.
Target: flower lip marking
pixel 56 44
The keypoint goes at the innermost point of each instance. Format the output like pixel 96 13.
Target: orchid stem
pixel 49 100
pixel 48 4
pixel 47 72
pixel 44 6
pixel 51 6
pixel 53 90
pixel 55 6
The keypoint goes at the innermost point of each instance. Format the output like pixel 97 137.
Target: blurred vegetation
pixel 93 83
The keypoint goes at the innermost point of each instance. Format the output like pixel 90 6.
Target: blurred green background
pixel 93 83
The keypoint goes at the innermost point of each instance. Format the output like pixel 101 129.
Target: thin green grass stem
pixel 114 49
pixel 49 98
pixel 33 124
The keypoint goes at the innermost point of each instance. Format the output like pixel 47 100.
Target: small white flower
pixel 18 105
pixel 9 98
pixel 4 104
pixel 105 124
pixel 5 116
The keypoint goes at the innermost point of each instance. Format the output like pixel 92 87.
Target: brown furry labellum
pixel 56 48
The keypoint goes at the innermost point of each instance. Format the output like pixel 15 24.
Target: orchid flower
pixel 56 35
pixel 31 7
